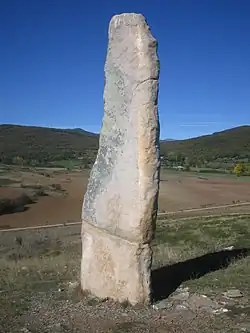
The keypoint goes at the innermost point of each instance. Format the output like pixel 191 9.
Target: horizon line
pixel 98 133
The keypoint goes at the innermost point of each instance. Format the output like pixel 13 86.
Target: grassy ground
pixel 208 173
pixel 37 269
pixel 178 241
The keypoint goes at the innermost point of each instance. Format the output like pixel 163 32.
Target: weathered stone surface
pixel 162 305
pixel 196 302
pixel 233 293
pixel 181 297
pixel 122 193
pixel 115 268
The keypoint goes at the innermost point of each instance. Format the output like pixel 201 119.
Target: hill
pixel 229 145
pixel 41 145
pixel 80 131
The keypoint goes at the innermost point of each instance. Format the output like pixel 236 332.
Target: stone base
pixel 115 268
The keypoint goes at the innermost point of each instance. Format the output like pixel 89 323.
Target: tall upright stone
pixel 120 205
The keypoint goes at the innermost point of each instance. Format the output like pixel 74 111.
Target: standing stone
pixel 120 205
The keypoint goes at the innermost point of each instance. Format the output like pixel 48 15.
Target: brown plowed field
pixel 64 194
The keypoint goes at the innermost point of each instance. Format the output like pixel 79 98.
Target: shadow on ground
pixel 167 279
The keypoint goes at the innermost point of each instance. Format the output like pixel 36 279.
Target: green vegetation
pixel 241 169
pixel 69 148
pixel 220 150
pixel 188 238
pixel 39 146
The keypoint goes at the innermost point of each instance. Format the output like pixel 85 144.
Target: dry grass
pixel 40 265
pixel 33 262
pixel 182 240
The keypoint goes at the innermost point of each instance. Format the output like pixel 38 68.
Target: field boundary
pixel 46 226
pixel 181 219
pixel 205 208
pixel 159 214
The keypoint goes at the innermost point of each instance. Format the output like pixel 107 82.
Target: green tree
pixel 239 169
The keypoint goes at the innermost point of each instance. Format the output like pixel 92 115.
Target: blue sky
pixel 53 53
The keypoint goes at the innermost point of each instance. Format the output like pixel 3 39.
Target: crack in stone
pixel 139 84
pixel 88 227
pixel 149 79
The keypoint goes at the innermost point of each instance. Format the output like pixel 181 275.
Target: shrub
pixel 239 169
pixel 57 187
pixel 9 206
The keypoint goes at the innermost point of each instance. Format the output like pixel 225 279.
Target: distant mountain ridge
pixel 81 131
pixel 50 144
pixel 164 140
